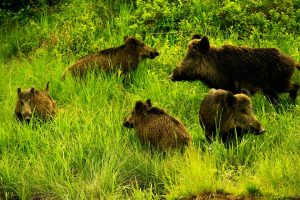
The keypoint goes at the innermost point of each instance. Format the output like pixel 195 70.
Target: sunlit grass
pixel 86 153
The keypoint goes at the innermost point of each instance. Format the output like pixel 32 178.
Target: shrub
pixel 240 16
pixel 16 5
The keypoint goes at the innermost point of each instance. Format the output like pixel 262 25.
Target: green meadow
pixel 86 153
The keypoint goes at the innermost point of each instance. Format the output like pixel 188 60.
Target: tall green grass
pixel 86 153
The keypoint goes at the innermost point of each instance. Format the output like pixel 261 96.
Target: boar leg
pixel 293 90
pixel 209 135
pixel 272 96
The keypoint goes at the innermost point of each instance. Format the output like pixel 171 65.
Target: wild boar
pixel 234 68
pixel 153 125
pixel 124 58
pixel 224 113
pixel 32 101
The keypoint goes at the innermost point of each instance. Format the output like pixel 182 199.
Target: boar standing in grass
pixel 224 113
pixel 156 127
pixel 124 58
pixel 32 101
pixel 234 68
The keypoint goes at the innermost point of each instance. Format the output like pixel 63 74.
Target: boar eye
pixel 243 110
pixel 194 46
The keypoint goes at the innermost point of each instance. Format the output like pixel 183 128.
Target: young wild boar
pixel 125 58
pixel 234 68
pixel 156 127
pixel 221 110
pixel 32 101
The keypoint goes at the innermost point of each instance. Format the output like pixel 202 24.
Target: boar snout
pixel 260 131
pixel 27 119
pixel 258 128
pixel 27 114
pixel 153 54
pixel 127 124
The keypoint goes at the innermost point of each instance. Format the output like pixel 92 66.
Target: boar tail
pixel 64 74
pixel 47 86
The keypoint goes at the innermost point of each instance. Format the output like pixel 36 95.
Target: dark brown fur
pixel 153 125
pixel 234 68
pixel 32 101
pixel 125 58
pixel 221 110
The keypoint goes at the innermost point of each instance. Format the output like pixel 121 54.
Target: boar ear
pixel 230 99
pixel 203 45
pixel 245 91
pixel 126 38
pixel 32 91
pixel 139 107
pixel 148 102
pixel 47 86
pixel 196 36
pixel 130 40
pixel 19 91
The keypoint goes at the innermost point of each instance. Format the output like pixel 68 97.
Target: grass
pixel 86 153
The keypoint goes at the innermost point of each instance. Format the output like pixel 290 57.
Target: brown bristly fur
pixel 32 101
pixel 223 112
pixel 124 58
pixel 153 125
pixel 234 68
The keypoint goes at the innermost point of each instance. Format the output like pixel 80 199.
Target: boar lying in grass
pixel 224 113
pixel 124 58
pixel 32 101
pixel 153 125
pixel 234 68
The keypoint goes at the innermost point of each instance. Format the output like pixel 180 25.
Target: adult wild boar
pixel 153 125
pixel 32 101
pixel 234 68
pixel 225 113
pixel 125 58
